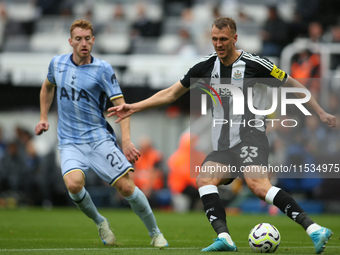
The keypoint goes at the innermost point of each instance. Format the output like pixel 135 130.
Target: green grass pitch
pixel 68 231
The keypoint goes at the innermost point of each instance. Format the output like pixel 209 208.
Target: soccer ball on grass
pixel 264 238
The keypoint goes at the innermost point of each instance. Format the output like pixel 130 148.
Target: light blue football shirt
pixel 81 95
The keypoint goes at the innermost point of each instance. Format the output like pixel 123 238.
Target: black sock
pixel 215 212
pixel 289 207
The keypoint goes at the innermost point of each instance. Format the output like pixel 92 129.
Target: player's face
pixel 224 41
pixel 82 42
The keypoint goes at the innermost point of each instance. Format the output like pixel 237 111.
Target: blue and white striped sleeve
pixel 110 83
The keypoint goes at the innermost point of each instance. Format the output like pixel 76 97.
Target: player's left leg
pixel 140 205
pixel 207 186
pixel 263 189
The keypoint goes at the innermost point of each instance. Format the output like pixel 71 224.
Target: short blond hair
pixel 83 24
pixel 223 22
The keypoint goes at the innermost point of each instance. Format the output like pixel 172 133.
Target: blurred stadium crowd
pixel 180 28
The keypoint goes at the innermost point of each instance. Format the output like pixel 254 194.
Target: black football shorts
pixel 252 151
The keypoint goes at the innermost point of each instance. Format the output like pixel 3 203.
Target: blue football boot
pixel 220 244
pixel 320 238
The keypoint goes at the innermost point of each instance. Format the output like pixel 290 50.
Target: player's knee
pixel 126 190
pixel 125 186
pixel 257 190
pixel 74 182
pixel 74 187
pixel 200 182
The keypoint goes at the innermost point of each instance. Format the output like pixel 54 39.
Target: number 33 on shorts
pixel 248 152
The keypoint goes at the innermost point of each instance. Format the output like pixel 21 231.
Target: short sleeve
pixel 193 72
pixel 270 73
pixel 110 83
pixel 50 74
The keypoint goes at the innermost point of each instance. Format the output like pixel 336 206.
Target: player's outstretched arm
pixel 129 149
pixel 325 117
pixel 163 97
pixel 46 98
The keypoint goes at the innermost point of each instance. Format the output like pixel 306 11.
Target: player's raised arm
pixel 129 148
pixel 163 97
pixel 46 98
pixel 325 117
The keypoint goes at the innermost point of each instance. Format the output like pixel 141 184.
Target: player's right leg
pixel 108 161
pixel 140 205
pixel 207 183
pixel 74 182
pixel 73 168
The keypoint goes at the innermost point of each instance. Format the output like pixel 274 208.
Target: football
pixel 264 238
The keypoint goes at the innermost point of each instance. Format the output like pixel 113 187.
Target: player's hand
pixel 329 119
pixel 121 111
pixel 130 151
pixel 41 127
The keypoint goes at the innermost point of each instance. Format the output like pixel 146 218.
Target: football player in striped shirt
pixel 86 141
pixel 240 145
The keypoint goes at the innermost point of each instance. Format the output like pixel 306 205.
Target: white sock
pixel 227 237
pixel 271 194
pixel 84 202
pixel 312 228
pixel 140 205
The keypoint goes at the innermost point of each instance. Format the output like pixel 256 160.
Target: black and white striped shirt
pixel 249 70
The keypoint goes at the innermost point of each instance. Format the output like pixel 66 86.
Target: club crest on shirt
pixel 237 75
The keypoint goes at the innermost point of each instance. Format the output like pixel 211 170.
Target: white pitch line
pixel 143 248
pixel 100 249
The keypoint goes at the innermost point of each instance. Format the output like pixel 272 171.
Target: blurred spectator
pixel 315 32
pixel 187 47
pixel 216 11
pixel 181 178
pixel 118 12
pixel 335 31
pixel 306 69
pixel 274 34
pixel 143 25
pixel 187 19
pixel 143 28
pixel 147 175
pixel 26 148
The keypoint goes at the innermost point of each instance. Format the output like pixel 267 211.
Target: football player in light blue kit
pixel 86 140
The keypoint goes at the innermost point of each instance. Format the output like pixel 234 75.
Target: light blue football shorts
pixel 104 157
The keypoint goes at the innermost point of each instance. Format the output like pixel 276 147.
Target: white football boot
pixel 158 240
pixel 105 233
